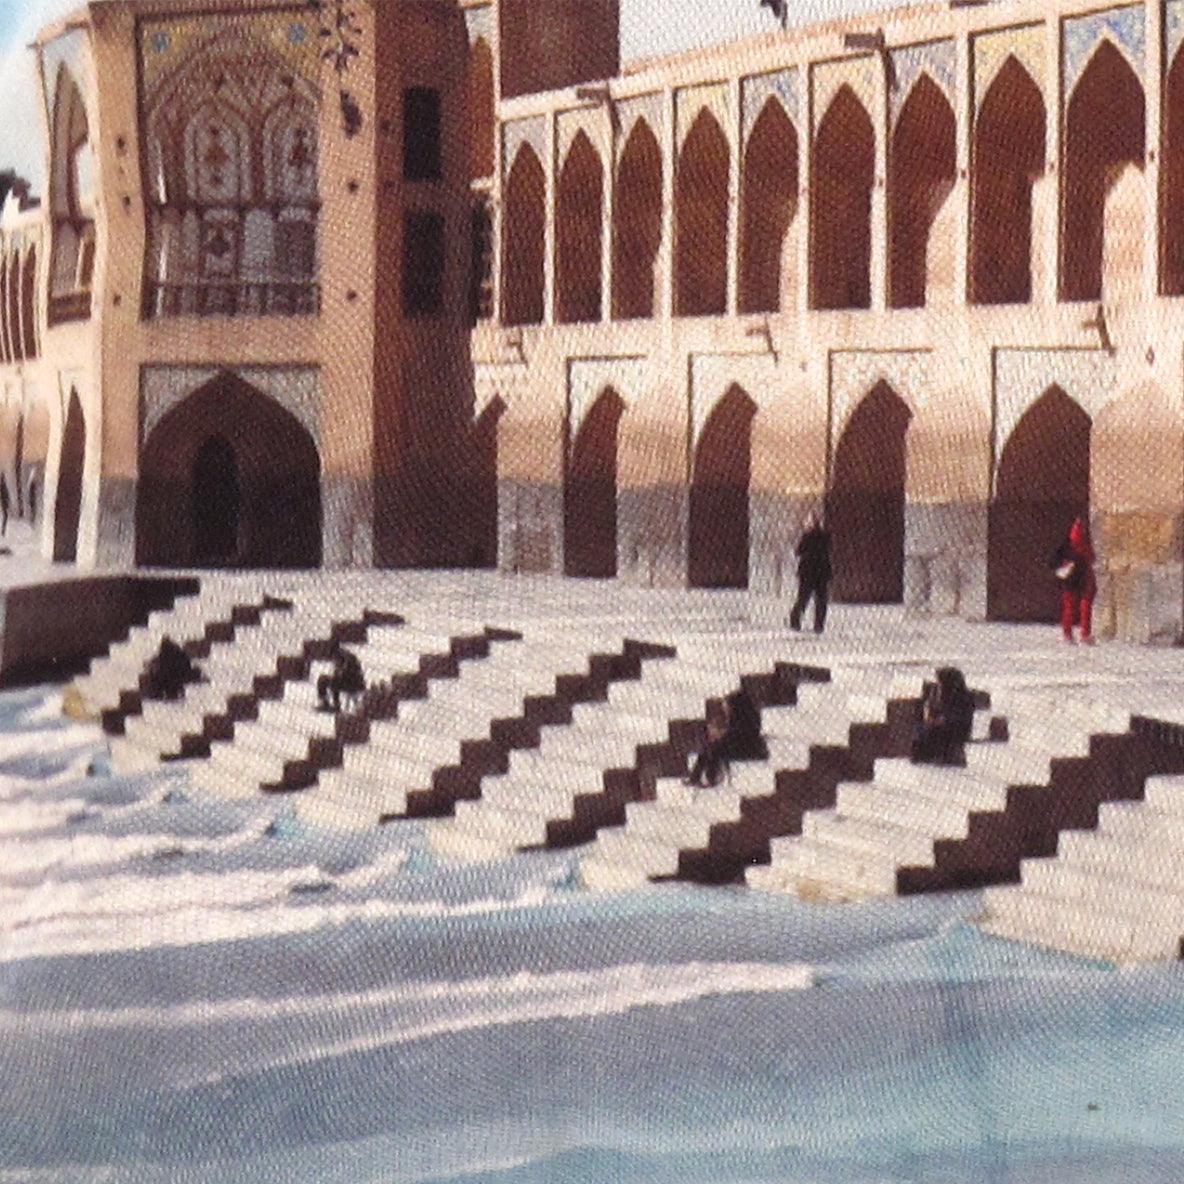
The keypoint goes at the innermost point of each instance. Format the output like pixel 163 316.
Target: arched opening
pixel 844 167
pixel 1041 486
pixel 921 170
pixel 68 504
pixel 1104 130
pixel 70 203
pixel 29 303
pixel 701 220
pixel 770 201
pixel 482 127
pixel 579 209
pixel 590 495
pixel 484 487
pixel 719 510
pixel 866 502
pixel 524 224
pixel 1171 183
pixel 229 478
pixel 1009 152
pixel 13 291
pixel 637 224
pixel 215 503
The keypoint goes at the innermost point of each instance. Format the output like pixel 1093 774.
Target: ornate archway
pixel 1043 483
pixel 229 478
pixel 579 205
pixel 524 240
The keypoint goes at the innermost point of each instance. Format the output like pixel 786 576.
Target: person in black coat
pixel 947 718
pixel 347 680
pixel 814 574
pixel 5 505
pixel 739 739
pixel 170 672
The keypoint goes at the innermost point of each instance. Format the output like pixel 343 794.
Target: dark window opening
pixel 423 264
pixel 421 134
pixel 481 274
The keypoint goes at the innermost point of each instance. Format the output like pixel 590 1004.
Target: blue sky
pixel 648 27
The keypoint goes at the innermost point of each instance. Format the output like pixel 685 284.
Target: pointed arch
pixel 865 505
pixel 12 290
pixel 72 226
pixel 922 166
pixel 229 478
pixel 484 487
pixel 769 202
pixel 1104 130
pixel 482 124
pixel 590 493
pixel 1171 182
pixel 718 543
pixel 579 209
pixel 29 303
pixel 1042 484
pixel 68 503
pixel 1007 160
pixel 637 224
pixel 524 220
pixel 701 220
pixel 842 176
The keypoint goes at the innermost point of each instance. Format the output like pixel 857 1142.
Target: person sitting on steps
pixel 947 718
pixel 346 681
pixel 170 672
pixel 737 738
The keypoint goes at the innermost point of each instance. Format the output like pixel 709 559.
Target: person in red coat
pixel 1073 562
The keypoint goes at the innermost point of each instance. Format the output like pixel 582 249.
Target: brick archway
pixel 229 458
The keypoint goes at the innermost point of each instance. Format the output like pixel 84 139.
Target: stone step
pixel 823 871
pixel 597 875
pixel 1157 859
pixel 933 787
pixel 449 841
pixel 511 829
pixel 1130 894
pixel 877 803
pixel 642 853
pixel 1068 925
pixel 901 845
pixel 1165 792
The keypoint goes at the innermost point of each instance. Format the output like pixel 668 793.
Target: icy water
pixel 210 993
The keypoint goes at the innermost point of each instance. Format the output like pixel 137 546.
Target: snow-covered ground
pixel 202 991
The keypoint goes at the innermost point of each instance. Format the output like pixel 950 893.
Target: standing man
pixel 5 505
pixel 814 574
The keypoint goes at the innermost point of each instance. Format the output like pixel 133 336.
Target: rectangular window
pixel 481 264
pixel 421 134
pixel 423 264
